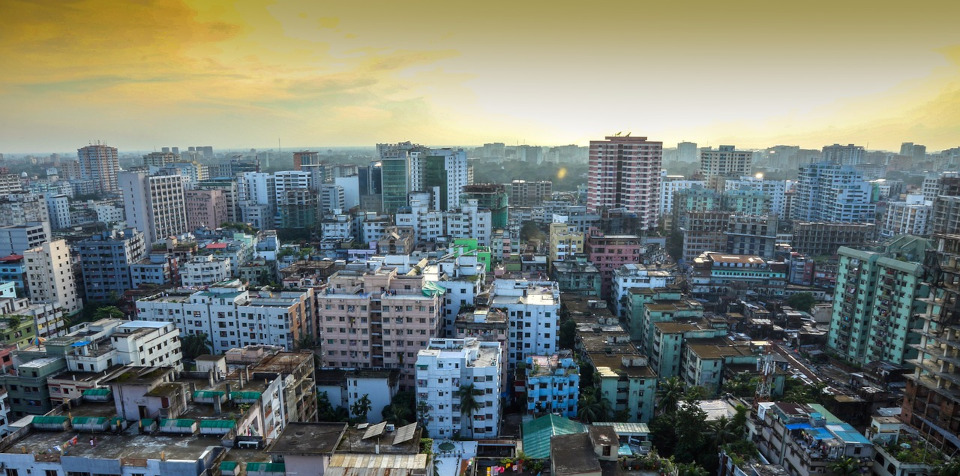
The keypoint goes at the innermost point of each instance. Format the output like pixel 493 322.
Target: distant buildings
pixel 829 192
pixel 726 161
pixel 823 239
pixel 154 204
pixel 530 194
pixel 205 208
pixel 843 154
pixel 625 173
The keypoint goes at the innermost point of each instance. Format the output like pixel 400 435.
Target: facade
pixel 444 368
pixel 231 315
pixel 724 162
pixel 551 385
pixel 719 274
pixel 773 190
pixel 931 402
pixel 876 301
pixel 752 235
pixel 703 231
pixel 834 193
pixel 671 184
pixel 205 208
pixel 59 211
pixel 489 196
pixel 669 345
pixel 105 261
pixel 305 157
pixel 530 194
pixel 532 308
pixel 377 319
pixel 204 270
pixel 49 273
pixel 638 276
pixel 704 362
pixel 154 204
pixel 823 239
pixel 625 173
pixel 946 206
pixel 565 242
pixel 14 240
pixel 577 276
pixel 100 164
pixel 610 252
pixel 444 173
pixel 910 217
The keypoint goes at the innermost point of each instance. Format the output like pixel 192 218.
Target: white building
pixel 58 207
pixel 17 239
pixel 340 227
pixel 445 367
pixel 110 342
pixel 469 221
pixel 456 174
pixel 332 198
pixel 532 308
pixel 351 190
pixel 154 204
pixel 427 224
pixel 205 270
pixel 463 277
pixel 233 316
pixel 635 276
pixel 671 184
pixel 50 276
pixel 910 217
pixel 108 213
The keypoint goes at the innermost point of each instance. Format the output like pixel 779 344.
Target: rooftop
pixel 573 454
pixel 111 446
pixel 309 438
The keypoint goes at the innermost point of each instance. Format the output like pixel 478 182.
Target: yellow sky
pixel 150 73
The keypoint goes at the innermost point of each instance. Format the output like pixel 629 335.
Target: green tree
pixel 568 333
pixel 802 301
pixel 948 468
pixel 361 407
pixel 396 413
pixel 669 394
pixel 691 469
pixel 593 407
pixel 845 467
pixel 327 412
pixel 108 312
pixel 195 345
pixel 468 405
pixel 306 342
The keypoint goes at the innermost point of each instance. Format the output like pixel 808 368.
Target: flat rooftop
pixel 112 446
pixel 308 438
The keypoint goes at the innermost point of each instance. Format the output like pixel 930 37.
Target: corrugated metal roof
pixel 217 424
pixel 96 392
pixel 537 433
pixel 357 461
pixel 49 420
pixel 626 428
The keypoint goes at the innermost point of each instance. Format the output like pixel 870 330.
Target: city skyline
pixel 244 75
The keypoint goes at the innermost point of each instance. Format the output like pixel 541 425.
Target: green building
pixel 644 307
pixel 877 301
pixel 395 180
pixel 466 246
pixel 17 330
pixel 746 202
pixel 669 344
pixel 27 391
pixel 577 276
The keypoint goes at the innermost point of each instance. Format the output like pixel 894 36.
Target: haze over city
pixel 143 74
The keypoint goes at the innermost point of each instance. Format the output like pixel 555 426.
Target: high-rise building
pixel 823 239
pixel 230 194
pixel 931 401
pixel 843 154
pixel 687 152
pixel 829 192
pixel 154 204
pixel 101 164
pixel 671 184
pixel 774 190
pixel 205 208
pixel 400 173
pixel 909 217
pixel 105 260
pixel 59 211
pixel 877 300
pixel 530 194
pixel 50 276
pixel 531 308
pixel 725 162
pixel 160 159
pixel 444 173
pixel 917 151
pixel 305 157
pixel 946 205
pixel 625 173
pixel 447 365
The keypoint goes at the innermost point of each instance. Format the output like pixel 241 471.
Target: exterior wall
pixel 50 276
pixel 532 311
pixel 552 386
pixel 625 173
pixel 205 208
pixel 105 263
pixel 204 271
pixel 101 164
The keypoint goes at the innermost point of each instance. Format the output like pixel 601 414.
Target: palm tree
pixel 950 468
pixel 723 431
pixel 468 405
pixel 588 408
pixel 361 407
pixel 396 413
pixel 845 467
pixel 194 345
pixel 669 394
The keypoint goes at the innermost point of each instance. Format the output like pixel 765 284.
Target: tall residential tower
pixel 625 173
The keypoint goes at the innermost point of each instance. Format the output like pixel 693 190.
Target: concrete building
pixel 100 164
pixel 231 315
pixel 444 173
pixel 773 190
pixel 806 439
pixel 931 402
pixel 14 240
pixel 946 206
pixel 909 217
pixel 625 173
pixel 705 361
pixel 491 197
pixel 551 384
pixel 610 252
pixel 638 276
pixel 154 204
pixel 377 319
pixel 752 235
pixel 703 231
pixel 530 194
pixel 532 308
pixel 59 211
pixel 49 273
pixel 444 368
pixel 346 387
pixel 719 274
pixel 205 208
pixel 823 239
pixel 25 209
pixel 876 301
pixel 671 184
pixel 565 242
pixel 843 154
pixel 305 157
pixel 204 271
pixel 669 344
pixel 105 261
pixel 834 193
pixel 577 276
pixel 726 161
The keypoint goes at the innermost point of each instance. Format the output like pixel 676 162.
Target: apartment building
pixel 823 239
pixel 530 193
pixel 154 204
pixel 551 384
pixel 909 217
pixel 231 315
pixel 444 368
pixel 719 274
pixel 49 275
pixel 205 208
pixel 105 260
pixel 625 173
pixel 726 161
pixel 610 252
pixel 377 319
pixel 204 270
pixel 533 310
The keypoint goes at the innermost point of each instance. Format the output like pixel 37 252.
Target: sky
pixel 142 74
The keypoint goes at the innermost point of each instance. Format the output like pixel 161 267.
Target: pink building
pixel 205 208
pixel 377 319
pixel 625 173
pixel 609 252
